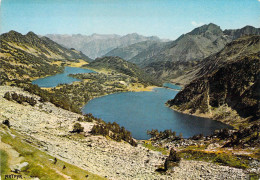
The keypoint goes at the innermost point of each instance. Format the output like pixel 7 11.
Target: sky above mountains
pixel 163 18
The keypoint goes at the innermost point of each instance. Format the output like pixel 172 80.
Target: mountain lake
pixel 139 111
pixel 61 78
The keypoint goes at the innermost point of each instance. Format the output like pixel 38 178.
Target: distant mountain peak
pixel 237 33
pixel 248 26
pixel 13 33
pixel 133 34
pixel 30 33
pixel 103 36
pixel 213 28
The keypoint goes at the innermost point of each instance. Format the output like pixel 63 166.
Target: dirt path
pixel 63 175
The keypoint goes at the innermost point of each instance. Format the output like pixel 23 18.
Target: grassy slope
pixel 3 162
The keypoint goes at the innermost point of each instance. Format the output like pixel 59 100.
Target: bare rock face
pixel 237 33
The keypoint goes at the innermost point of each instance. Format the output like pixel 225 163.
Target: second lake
pixel 62 78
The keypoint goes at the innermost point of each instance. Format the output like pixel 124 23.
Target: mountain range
pixel 164 60
pixel 180 55
pixel 195 45
pixel 167 60
pixel 202 60
pixel 97 45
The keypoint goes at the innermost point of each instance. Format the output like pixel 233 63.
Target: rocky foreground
pixel 48 127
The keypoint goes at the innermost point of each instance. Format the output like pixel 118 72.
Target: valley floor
pixel 47 127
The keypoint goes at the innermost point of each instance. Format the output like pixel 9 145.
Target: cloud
pixel 194 23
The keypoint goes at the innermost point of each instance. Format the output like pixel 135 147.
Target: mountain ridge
pixel 191 48
pixel 119 65
pixel 130 52
pixel 227 79
pixel 29 56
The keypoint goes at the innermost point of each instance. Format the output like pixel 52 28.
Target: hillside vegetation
pixel 26 57
pixel 119 65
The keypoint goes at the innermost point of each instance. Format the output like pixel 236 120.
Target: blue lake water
pixel 62 78
pixel 172 86
pixel 142 111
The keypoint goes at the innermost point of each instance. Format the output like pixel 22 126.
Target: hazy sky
pixel 163 18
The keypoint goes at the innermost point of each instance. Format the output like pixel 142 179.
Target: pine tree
pixel 7 96
pixel 77 128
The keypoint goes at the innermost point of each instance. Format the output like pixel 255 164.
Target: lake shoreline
pixel 200 115
pixel 143 89
pixel 144 116
pixel 147 89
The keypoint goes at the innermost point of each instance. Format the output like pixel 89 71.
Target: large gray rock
pixel 18 167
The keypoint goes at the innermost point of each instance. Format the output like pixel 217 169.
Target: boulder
pixel 18 167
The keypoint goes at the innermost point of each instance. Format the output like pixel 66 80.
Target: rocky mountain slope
pixel 226 81
pixel 130 52
pixel 195 45
pixel 200 43
pixel 98 45
pixel 29 56
pixel 172 59
pixel 47 128
pixel 237 33
pixel 192 47
pixel 167 70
